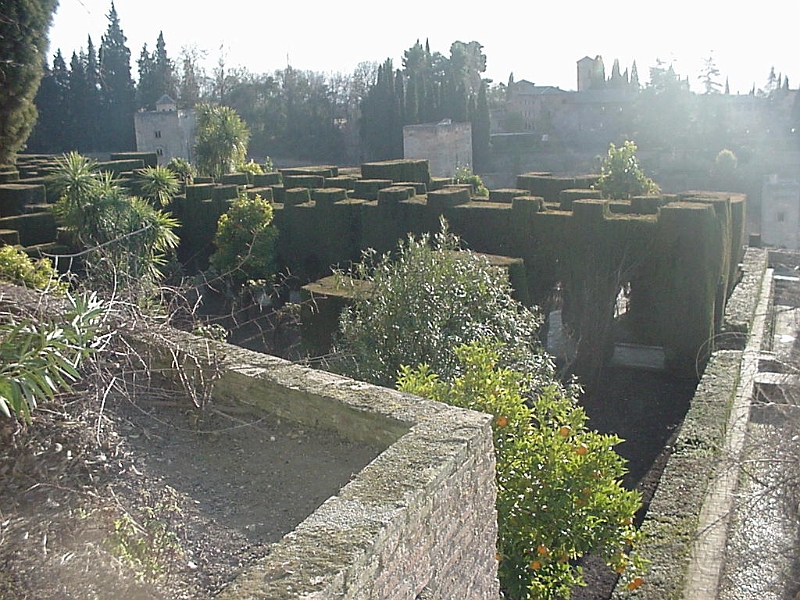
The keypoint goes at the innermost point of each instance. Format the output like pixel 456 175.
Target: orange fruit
pixel 498 557
pixel 565 430
pixel 502 421
pixel 635 583
pixel 536 565
pixel 582 449
pixel 542 550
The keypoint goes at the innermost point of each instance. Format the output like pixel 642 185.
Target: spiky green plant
pixel 158 184
pixel 39 358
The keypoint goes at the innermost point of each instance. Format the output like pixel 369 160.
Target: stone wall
pixel 445 145
pixel 419 520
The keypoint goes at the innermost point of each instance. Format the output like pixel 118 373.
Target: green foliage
pixel 221 140
pixel 18 268
pixel 23 44
pixel 559 495
pixel 426 301
pixel 40 358
pixel 725 162
pixel 465 175
pixel 250 168
pixel 621 176
pixel 158 184
pixel 150 545
pixel 125 236
pixel 182 169
pixel 245 242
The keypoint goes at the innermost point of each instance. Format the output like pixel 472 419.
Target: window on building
pixel 160 151
pixel 158 134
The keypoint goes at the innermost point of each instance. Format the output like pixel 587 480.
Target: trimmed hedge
pixel 367 189
pixel 296 196
pixel 327 196
pixel 16 197
pixel 394 194
pixel 304 181
pixel 33 228
pixel 398 170
pixel 447 197
pixel 267 179
pixel 234 178
pixel 506 195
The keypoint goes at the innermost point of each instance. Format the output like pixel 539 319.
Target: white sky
pixel 538 41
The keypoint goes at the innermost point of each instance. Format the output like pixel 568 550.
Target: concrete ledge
pixel 420 517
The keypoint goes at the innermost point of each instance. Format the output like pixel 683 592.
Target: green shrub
pixel 465 175
pixel 621 177
pixel 245 242
pixel 559 495
pixel 18 268
pixel 424 302
pixel 40 358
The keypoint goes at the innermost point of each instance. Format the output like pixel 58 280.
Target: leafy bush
pixel 559 495
pixel 621 177
pixel 465 175
pixel 245 242
pixel 18 268
pixel 426 301
pixel 40 358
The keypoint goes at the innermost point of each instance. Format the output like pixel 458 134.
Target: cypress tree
pixel 23 45
pixel 116 87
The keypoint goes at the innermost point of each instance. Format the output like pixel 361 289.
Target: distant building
pixel 445 145
pixel 591 73
pixel 780 212
pixel 536 109
pixel 167 131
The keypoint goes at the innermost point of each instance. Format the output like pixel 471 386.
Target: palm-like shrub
pixel 125 237
pixel 221 140
pixel 158 184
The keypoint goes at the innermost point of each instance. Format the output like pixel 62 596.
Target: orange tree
pixel 559 494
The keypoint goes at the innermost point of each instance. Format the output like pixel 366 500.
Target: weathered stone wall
pixel 420 517
pixel 445 145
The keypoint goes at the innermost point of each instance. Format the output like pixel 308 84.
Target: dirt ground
pixel 164 506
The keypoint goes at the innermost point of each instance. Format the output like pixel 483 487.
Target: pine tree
pixel 145 92
pixel 191 76
pixel 48 134
pixel 116 86
pixel 164 70
pixel 78 116
pixel 92 103
pixel 481 133
pixel 23 46
pixel 635 76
